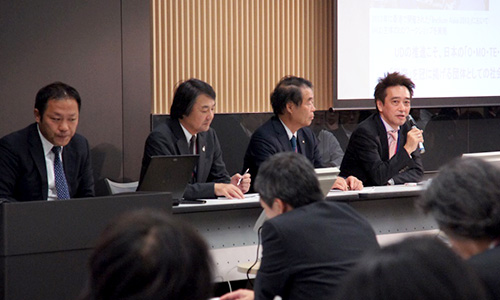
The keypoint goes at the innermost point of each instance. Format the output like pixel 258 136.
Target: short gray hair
pixel 288 176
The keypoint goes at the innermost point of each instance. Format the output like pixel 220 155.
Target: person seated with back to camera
pixel 464 199
pixel 413 269
pixel 149 255
pixel 308 244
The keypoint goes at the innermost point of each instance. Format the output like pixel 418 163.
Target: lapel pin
pixel 203 148
pixel 303 142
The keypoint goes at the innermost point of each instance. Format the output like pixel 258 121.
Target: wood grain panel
pixel 242 48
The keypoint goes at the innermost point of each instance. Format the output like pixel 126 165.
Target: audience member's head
pixel 319 122
pixel 148 255
pixel 289 177
pixel 288 90
pixel 391 80
pixel 186 94
pixel 464 199
pixel 414 269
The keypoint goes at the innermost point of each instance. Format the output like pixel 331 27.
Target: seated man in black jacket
pixel 288 130
pixel 48 160
pixel 188 132
pixel 308 243
pixel 383 148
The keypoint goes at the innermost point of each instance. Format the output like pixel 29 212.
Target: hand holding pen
pixel 243 181
pixel 239 180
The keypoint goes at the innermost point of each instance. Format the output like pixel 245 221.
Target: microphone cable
pixel 256 257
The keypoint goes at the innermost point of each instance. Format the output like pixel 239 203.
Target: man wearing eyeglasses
pixel 383 148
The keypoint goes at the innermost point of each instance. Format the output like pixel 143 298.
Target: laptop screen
pixel 169 173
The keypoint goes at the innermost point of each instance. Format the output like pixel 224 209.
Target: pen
pixel 239 180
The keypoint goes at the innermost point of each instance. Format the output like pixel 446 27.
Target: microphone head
pixel 411 120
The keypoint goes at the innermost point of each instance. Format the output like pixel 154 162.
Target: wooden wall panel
pixel 242 48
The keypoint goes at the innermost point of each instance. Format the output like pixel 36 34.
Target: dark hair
pixel 185 97
pixel 391 79
pixel 464 198
pixel 288 89
pixel 148 255
pixel 416 268
pixel 55 91
pixel 288 176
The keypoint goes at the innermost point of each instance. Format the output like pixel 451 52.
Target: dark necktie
pixel 293 140
pixel 193 150
pixel 192 145
pixel 60 178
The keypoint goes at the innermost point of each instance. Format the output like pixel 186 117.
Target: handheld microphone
pixel 414 125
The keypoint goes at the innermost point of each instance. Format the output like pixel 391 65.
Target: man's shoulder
pixel 318 209
pixel 485 258
pixel 165 132
pixel 369 123
pixel 368 127
pixel 19 137
pixel 164 128
pixel 266 126
pixel 266 131
pixel 79 140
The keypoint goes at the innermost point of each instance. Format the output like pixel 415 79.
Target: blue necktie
pixel 60 178
pixel 293 140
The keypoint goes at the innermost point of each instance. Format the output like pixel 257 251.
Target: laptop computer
pixel 169 173
pixel 326 178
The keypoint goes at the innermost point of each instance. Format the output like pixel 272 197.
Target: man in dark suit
pixel 464 200
pixel 293 106
pixel 27 159
pixel 308 244
pixel 188 132
pixel 368 155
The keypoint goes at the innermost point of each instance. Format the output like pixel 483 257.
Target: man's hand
pixel 228 190
pixel 240 294
pixel 243 180
pixel 352 183
pixel 413 137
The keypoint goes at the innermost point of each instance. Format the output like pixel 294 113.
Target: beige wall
pixel 242 48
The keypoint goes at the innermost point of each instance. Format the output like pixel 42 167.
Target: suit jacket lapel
pixel 281 134
pixel 202 160
pixel 181 143
pixel 69 159
pixel 183 147
pixel 36 151
pixel 301 143
pixel 382 133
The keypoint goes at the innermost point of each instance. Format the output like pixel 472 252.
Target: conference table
pixel 44 245
pixel 229 225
